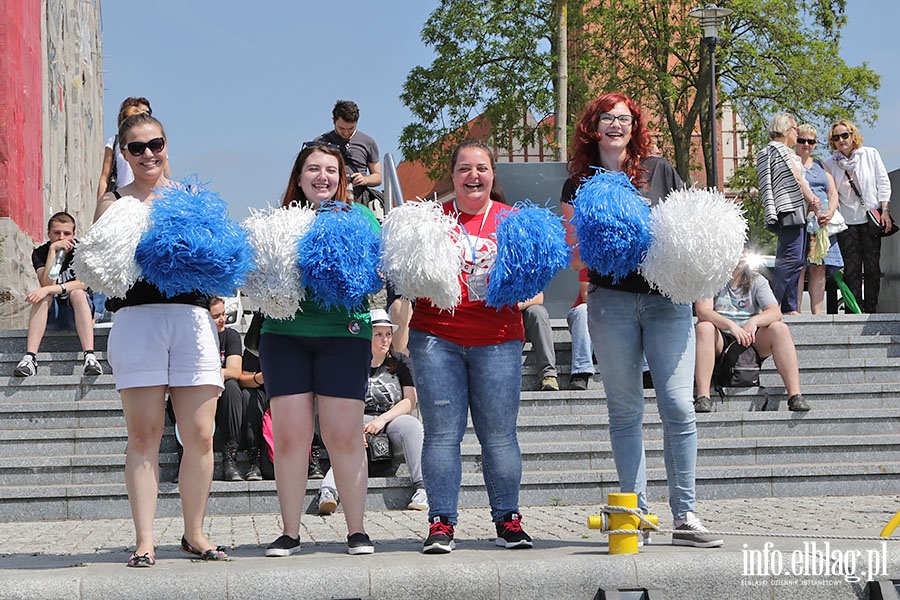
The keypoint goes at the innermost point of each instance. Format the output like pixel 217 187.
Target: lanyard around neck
pixel 466 231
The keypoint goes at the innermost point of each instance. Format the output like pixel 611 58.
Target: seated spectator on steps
pixel 390 398
pixel 747 310
pixel 582 351
pixel 62 302
pixel 230 406
pixel 255 403
pixel 538 331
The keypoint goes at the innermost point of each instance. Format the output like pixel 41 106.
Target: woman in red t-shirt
pixel 470 359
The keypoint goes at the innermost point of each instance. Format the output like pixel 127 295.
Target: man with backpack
pixel 744 315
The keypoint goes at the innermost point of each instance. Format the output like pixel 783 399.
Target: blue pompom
pixel 191 244
pixel 531 248
pixel 338 257
pixel 613 224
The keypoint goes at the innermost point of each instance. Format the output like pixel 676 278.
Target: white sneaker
pixel 691 532
pixel 26 367
pixel 328 501
pixel 92 366
pixel 419 500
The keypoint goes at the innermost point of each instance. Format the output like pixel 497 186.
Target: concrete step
pixel 93 501
pixel 13 341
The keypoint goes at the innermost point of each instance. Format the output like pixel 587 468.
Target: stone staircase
pixel 62 436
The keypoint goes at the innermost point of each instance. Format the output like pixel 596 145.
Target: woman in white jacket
pixel 863 184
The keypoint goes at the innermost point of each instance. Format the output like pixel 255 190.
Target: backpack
pixel 737 366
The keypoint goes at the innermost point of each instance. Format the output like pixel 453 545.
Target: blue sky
pixel 239 89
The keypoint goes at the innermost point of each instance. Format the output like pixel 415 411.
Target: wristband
pixel 254 378
pixel 62 287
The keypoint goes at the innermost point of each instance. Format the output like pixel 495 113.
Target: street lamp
pixel 710 17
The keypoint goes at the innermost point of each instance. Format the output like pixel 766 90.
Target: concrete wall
pixel 889 298
pixel 51 139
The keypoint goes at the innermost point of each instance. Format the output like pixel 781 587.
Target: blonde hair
pixel 781 124
pixel 807 130
pixel 855 137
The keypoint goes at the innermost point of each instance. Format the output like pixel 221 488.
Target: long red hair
pixel 585 153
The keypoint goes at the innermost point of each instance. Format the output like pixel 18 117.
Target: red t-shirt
pixel 473 323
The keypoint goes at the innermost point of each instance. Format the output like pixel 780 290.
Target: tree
pixel 496 57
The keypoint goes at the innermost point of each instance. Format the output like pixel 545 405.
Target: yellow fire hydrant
pixel 622 543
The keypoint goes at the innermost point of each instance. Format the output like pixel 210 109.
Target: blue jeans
pixel 451 381
pixel 582 360
pixel 790 256
pixel 624 327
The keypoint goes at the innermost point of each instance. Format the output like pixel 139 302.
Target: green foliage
pixel 493 56
pixel 783 55
pixel 744 184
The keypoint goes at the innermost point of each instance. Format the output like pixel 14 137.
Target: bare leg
pixel 775 340
pixel 37 324
pixel 195 412
pixel 816 288
pixel 800 289
pixel 340 424
pixel 144 409
pixel 84 318
pixel 709 346
pixel 292 427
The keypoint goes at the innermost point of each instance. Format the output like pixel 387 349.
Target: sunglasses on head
pixel 810 141
pixel 315 144
pixel 137 148
pixel 840 136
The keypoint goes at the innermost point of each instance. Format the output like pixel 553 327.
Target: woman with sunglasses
pixel 318 362
pixel 787 200
pixel 161 344
pixel 628 321
pixel 862 184
pixel 822 185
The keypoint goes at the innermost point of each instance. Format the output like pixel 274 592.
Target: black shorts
pixel 325 366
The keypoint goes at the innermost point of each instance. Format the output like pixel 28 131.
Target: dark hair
pixel 346 110
pixel 132 102
pixel 62 217
pixel 584 152
pixel 294 193
pixel 496 193
pixel 213 300
pixel 133 121
pixel 391 362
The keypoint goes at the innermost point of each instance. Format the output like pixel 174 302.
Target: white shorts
pixel 164 344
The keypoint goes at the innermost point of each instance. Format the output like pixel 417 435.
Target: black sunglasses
pixel 811 142
pixel 137 148
pixel 315 144
pixel 840 136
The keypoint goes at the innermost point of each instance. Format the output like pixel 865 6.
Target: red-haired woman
pixel 629 321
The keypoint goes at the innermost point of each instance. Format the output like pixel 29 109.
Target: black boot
pixel 229 464
pixel 315 467
pixel 253 473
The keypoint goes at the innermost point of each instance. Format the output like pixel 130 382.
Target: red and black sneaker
pixel 440 537
pixel 510 533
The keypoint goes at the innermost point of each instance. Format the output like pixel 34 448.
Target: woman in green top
pixel 319 358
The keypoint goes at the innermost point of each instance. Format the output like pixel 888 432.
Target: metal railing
pixel 393 193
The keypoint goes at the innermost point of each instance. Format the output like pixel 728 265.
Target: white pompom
pixel 698 237
pixel 104 259
pixel 274 286
pixel 421 253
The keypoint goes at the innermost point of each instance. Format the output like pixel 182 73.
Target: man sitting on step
pixel 538 331
pixel 62 302
pixel 747 310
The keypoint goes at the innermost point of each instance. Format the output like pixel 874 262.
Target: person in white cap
pixel 390 398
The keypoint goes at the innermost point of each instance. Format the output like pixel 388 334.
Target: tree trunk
pixel 562 77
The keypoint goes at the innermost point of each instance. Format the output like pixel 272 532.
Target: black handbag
pixel 378 447
pixel 876 225
pixel 251 338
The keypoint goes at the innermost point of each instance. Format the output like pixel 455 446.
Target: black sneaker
pixel 440 537
pixel 579 381
pixel 797 403
pixel 91 366
pixel 359 543
pixel 510 533
pixel 702 405
pixel 283 546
